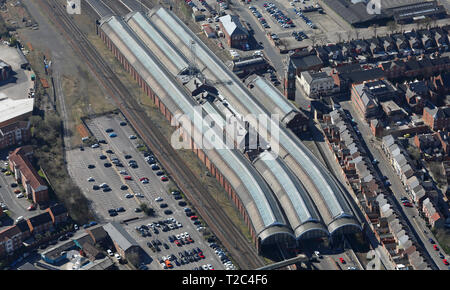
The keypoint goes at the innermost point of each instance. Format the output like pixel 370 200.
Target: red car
pixel 127 177
pixel 177 242
pixel 201 255
pixel 164 178
pixel 143 178
pixel 194 217
pixel 435 247
pixel 31 207
pixel 445 262
pixel 407 204
pixel 342 260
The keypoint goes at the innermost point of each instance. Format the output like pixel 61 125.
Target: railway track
pixel 243 253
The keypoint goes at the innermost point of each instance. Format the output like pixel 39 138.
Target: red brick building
pixel 437 118
pixel 15 134
pixel 58 213
pixel 40 224
pixel 235 33
pixel 19 162
pixel 10 240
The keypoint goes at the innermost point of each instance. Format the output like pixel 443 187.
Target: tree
pixel 375 28
pixel 339 37
pixel 392 26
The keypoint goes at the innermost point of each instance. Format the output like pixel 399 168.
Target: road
pixel 242 251
pixel 411 215
pixel 121 146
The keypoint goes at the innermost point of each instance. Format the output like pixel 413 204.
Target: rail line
pixel 243 253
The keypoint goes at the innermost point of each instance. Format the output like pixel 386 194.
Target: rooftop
pixel 10 108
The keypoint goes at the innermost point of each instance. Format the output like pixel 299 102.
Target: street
pixel 411 215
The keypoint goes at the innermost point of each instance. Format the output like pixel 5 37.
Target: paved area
pixel 20 83
pixel 103 201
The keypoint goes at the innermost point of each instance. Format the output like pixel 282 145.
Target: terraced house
pixel 19 162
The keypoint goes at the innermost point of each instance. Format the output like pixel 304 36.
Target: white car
pixel 205 267
pixel 178 237
pixel 90 179
pixel 118 257
pixel 179 224
pixel 95 145
pixel 20 218
pixel 132 137
pixel 145 181
pixel 139 194
pixel 123 172
pixel 210 267
pixel 110 252
pixel 20 195
pixel 159 198
pixel 103 185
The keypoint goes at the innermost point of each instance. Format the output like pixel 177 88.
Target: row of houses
pixel 24 173
pixel 12 237
pixel 395 239
pixel 416 181
pixel 397 45
pixel 360 174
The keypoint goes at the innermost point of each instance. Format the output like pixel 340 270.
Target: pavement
pixel 19 84
pixel 411 215
pixel 102 201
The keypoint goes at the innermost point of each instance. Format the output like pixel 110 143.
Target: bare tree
pixel 339 37
pixel 349 35
pixel 375 28
pixel 392 26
